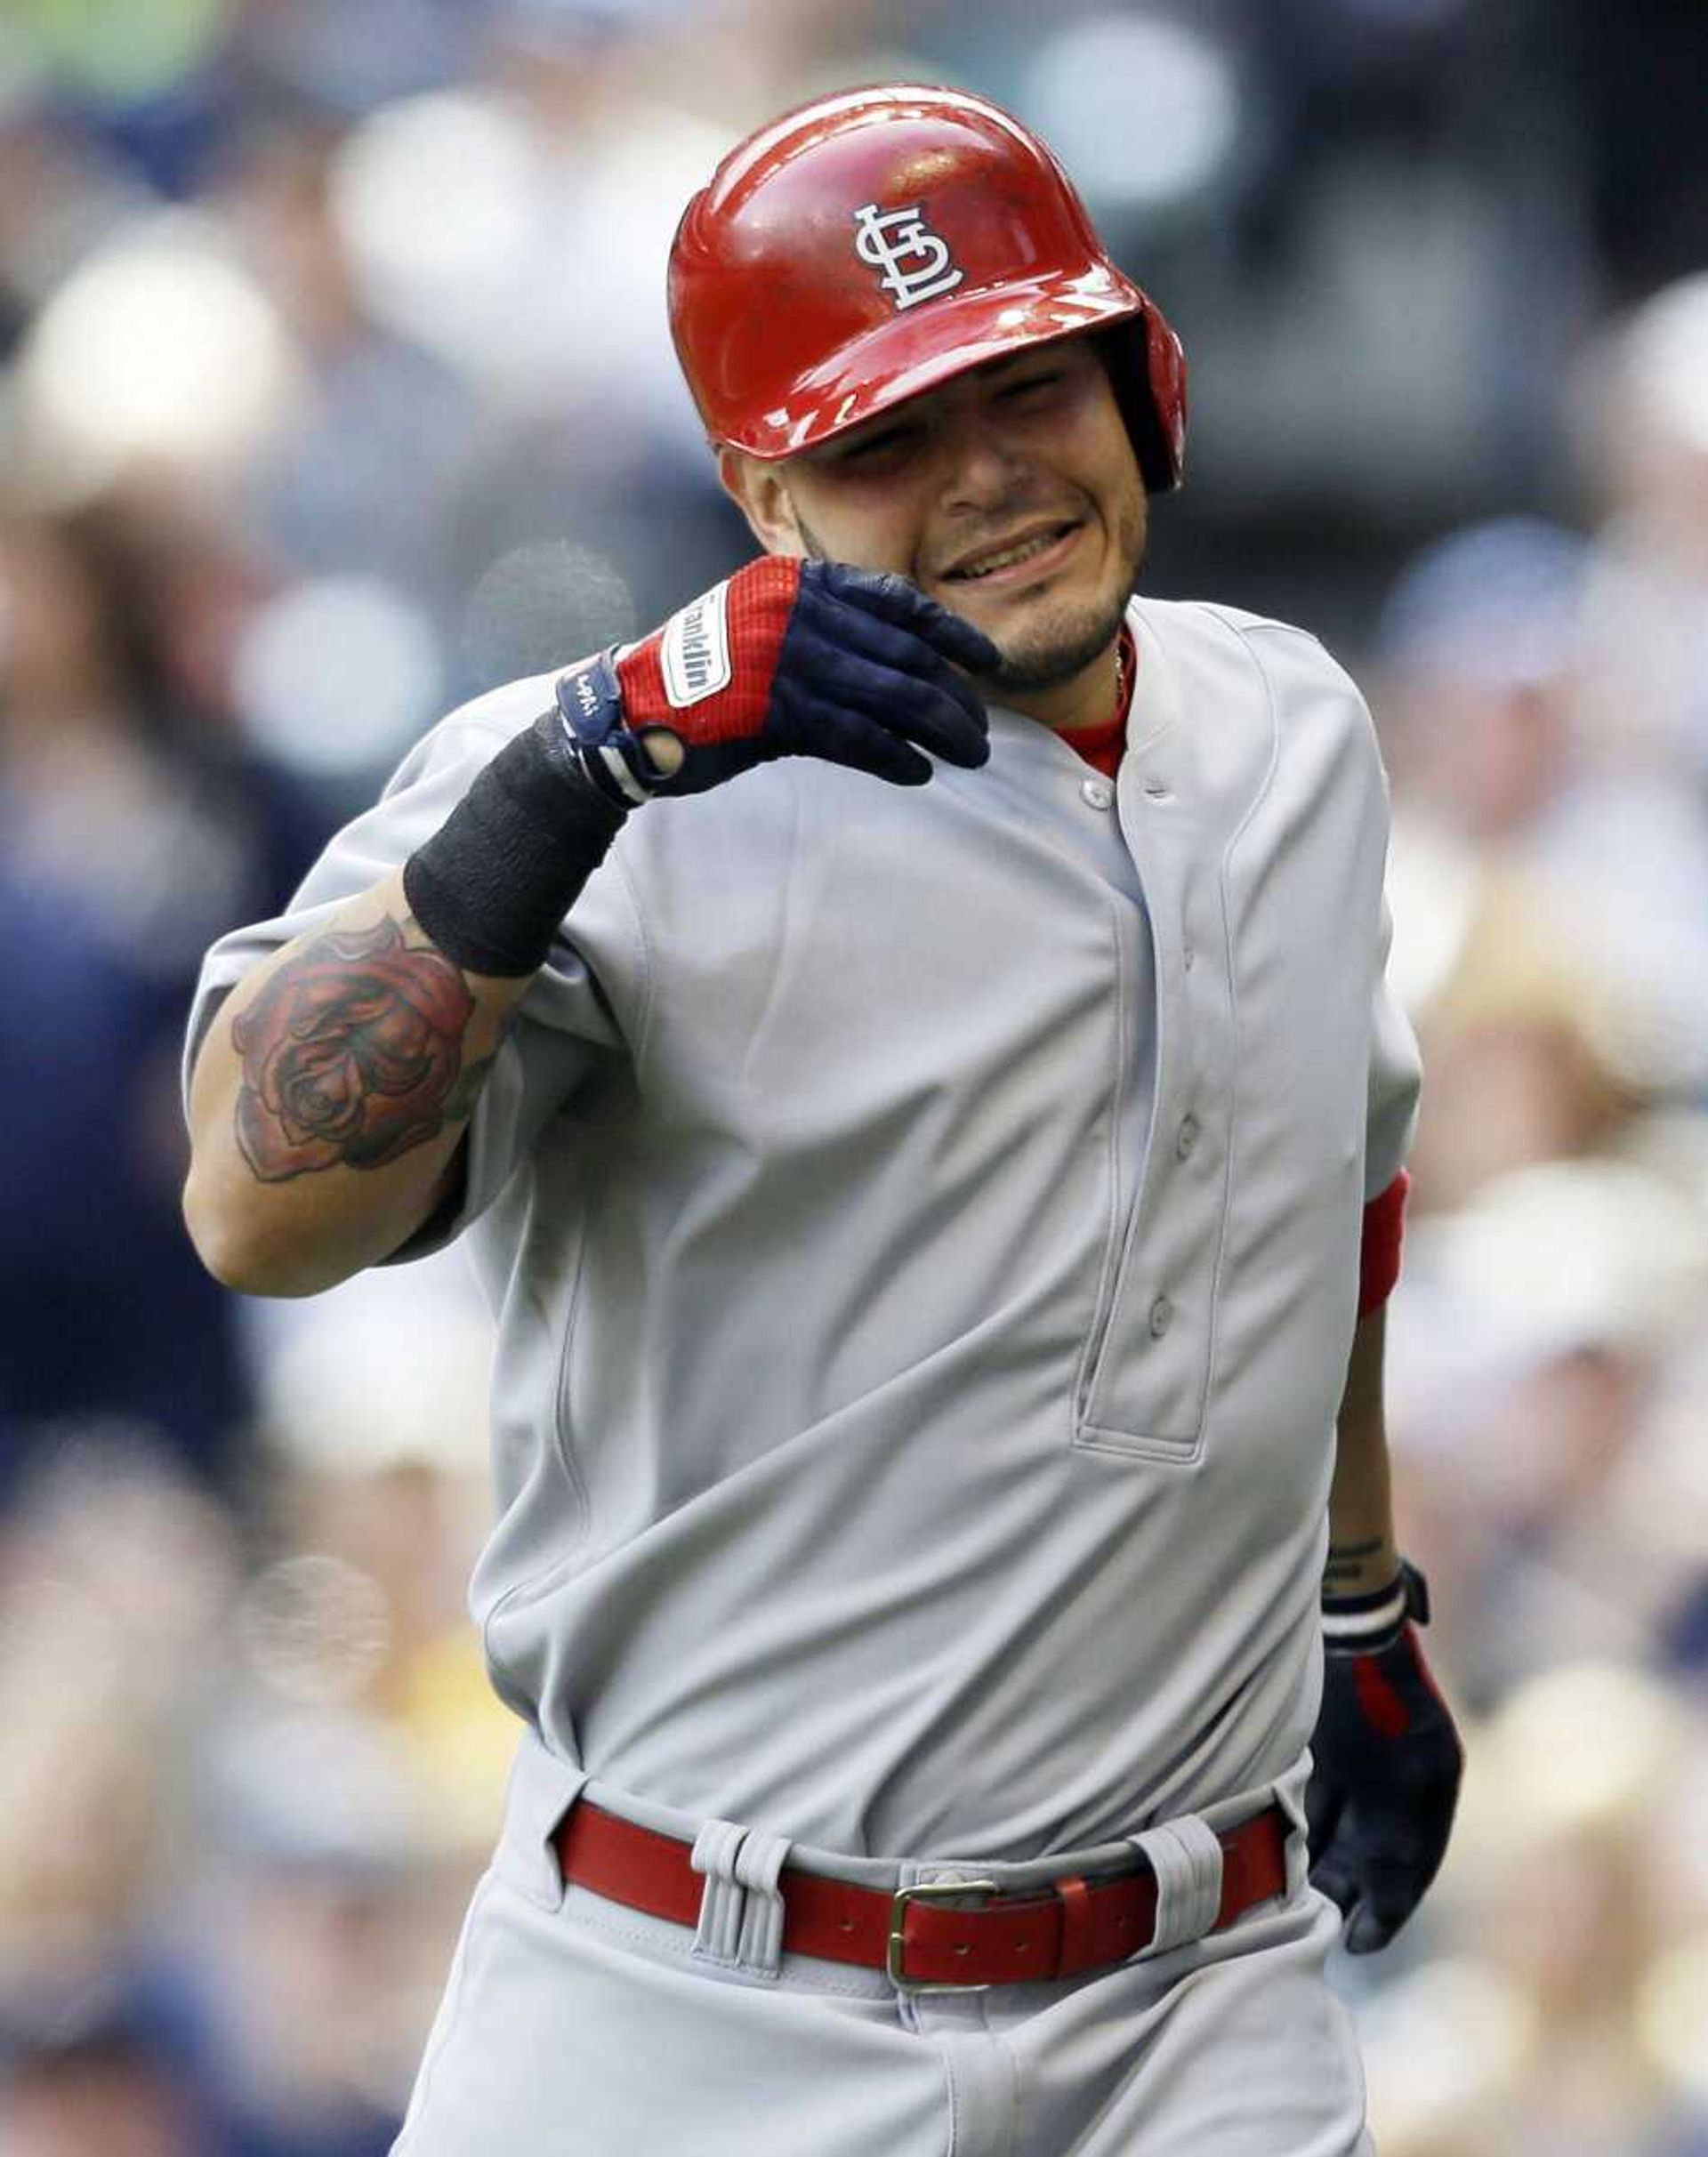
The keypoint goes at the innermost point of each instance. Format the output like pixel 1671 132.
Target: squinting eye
pixel 1033 383
pixel 892 440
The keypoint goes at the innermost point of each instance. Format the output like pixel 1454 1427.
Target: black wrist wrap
pixel 492 884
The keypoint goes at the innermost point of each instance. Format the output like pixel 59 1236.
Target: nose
pixel 982 466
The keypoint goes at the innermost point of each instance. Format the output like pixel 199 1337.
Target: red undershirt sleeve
pixel 1384 1225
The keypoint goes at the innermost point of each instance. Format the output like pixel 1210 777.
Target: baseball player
pixel 906 1043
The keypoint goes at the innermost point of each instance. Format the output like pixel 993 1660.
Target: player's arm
pixel 330 1096
pixel 331 1093
pixel 1363 1552
pixel 1385 1757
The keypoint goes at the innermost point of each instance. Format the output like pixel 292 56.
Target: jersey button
pixel 1187 1138
pixel 1097 792
pixel 1161 1316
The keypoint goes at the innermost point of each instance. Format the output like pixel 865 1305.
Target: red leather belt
pixel 918 1934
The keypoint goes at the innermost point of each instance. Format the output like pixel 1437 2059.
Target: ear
pixel 759 492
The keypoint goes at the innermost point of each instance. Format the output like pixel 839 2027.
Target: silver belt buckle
pixel 926 1891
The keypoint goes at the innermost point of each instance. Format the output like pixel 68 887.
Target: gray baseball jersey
pixel 923 1229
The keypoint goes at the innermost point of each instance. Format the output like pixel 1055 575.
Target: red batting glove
pixel 784 658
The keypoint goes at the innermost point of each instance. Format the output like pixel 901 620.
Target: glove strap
pixel 1365 1624
pixel 612 755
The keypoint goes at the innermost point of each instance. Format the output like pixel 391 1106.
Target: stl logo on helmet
pixel 915 261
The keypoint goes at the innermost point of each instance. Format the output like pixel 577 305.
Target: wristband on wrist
pixel 492 885
pixel 1364 1624
pixel 614 759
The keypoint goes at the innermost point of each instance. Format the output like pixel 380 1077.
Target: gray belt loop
pixel 1186 1858
pixel 741 1908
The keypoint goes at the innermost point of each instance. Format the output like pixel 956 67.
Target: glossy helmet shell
pixel 873 244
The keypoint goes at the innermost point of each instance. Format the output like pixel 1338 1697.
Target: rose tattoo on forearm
pixel 351 1055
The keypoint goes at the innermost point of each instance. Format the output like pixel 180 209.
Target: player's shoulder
pixel 1297 695
pixel 1291 662
pixel 1270 640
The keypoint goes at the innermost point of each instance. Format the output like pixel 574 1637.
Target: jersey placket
pixel 1145 1378
pixel 1078 807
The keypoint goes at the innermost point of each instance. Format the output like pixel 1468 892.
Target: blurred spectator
pixel 1644 402
pixel 1537 852
pixel 514 227
pixel 1535 1413
pixel 119 847
pixel 1534 1055
pixel 302 1972
pixel 244 1811
pixel 105 2092
pixel 1551 2032
pixel 361 475
pixel 1476 648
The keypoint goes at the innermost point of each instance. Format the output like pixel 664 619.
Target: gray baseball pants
pixel 573 2027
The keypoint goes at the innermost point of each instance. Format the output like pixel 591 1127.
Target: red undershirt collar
pixel 1102 746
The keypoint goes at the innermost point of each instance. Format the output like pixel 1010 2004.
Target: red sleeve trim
pixel 1384 1229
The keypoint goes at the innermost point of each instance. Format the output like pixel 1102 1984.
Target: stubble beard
pixel 1065 644
pixel 1059 651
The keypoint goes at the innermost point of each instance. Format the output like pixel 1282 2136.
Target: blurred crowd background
pixel 335 385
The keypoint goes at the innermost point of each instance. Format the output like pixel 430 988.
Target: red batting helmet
pixel 872 245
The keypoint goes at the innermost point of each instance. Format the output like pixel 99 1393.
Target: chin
pixel 1046 654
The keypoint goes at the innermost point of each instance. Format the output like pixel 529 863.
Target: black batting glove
pixel 1387 1762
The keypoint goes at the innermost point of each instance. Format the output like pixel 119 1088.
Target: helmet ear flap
pixel 1147 369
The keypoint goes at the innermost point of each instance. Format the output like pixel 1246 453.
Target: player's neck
pixel 1092 699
